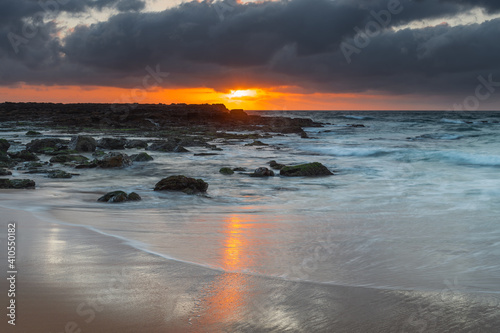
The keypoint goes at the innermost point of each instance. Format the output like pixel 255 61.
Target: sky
pixel 255 55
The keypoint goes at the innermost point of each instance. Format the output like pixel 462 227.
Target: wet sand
pixel 72 279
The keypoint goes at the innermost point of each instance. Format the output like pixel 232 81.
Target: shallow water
pixel 414 203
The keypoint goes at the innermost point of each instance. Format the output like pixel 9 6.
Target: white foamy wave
pixel 357 117
pixel 358 151
pixel 469 159
pixel 452 121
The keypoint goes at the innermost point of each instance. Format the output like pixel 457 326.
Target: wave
pixel 357 117
pixel 469 159
pixel 452 121
pixel 437 136
pixel 360 152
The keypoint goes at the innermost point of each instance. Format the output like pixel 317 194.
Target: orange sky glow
pixel 248 98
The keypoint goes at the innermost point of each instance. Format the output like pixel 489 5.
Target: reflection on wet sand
pixel 228 294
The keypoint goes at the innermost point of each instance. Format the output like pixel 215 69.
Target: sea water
pixel 414 203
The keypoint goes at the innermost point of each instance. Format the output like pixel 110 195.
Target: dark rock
pixel 82 143
pixel 276 166
pixel 262 172
pixel 226 171
pixel 291 130
pixel 356 125
pixel 132 196
pixel 114 160
pixel 238 114
pixel 5 172
pixel 59 174
pixel 68 158
pixel 239 169
pixel 304 135
pixel 305 170
pixel 24 155
pixel 167 147
pixel 4 145
pixel 39 145
pixel 87 165
pixel 33 133
pixel 257 143
pixel 112 143
pixel 16 183
pixel 206 154
pixel 183 184
pixel 99 153
pixel 141 157
pixel 136 144
pixel 114 197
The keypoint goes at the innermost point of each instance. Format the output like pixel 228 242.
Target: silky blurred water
pixel 414 203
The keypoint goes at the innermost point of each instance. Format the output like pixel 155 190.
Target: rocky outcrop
pixel 39 145
pixel 262 172
pixel 114 160
pixel 83 143
pixel 119 196
pixel 59 174
pixel 68 158
pixel 5 172
pixel 305 170
pixel 4 145
pixel 257 143
pixel 167 147
pixel 141 157
pixel 136 144
pixel 112 143
pixel 16 183
pixel 226 171
pixel 276 166
pixel 24 155
pixel 182 184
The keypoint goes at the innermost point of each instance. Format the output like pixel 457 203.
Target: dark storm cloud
pixel 295 42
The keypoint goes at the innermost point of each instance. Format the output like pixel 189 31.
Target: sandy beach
pixel 75 280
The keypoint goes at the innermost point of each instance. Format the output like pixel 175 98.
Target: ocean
pixel 414 203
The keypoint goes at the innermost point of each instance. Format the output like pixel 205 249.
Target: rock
pixel 39 145
pixel 183 184
pixel 16 183
pixel 59 174
pixel 112 143
pixel 33 133
pixel 24 155
pixel 114 160
pixel 136 144
pixel 5 160
pixel 4 145
pixel 141 157
pixel 99 153
pixel 356 125
pixel 82 143
pixel 239 169
pixel 304 135
pixel 262 172
pixel 68 158
pixel 226 171
pixel 276 166
pixel 257 143
pixel 305 170
pixel 238 114
pixel 5 172
pixel 119 196
pixel 87 165
pixel 206 154
pixel 291 130
pixel 167 147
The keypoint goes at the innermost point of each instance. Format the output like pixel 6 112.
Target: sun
pixel 242 93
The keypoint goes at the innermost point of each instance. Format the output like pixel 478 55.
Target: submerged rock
pixel 83 143
pixel 5 172
pixel 141 157
pixel 262 172
pixel 167 147
pixel 182 184
pixel 33 133
pixel 276 166
pixel 226 171
pixel 68 158
pixel 119 196
pixel 112 143
pixel 136 144
pixel 42 145
pixel 256 143
pixel 114 160
pixel 4 145
pixel 305 170
pixel 59 174
pixel 239 169
pixel 16 183
pixel 24 155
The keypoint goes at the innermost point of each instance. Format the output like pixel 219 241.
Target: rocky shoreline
pixel 172 128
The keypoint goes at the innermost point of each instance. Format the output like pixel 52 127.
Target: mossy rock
pixel 59 174
pixel 141 157
pixel 262 172
pixel 5 172
pixel 226 171
pixel 182 184
pixel 38 145
pixel 306 170
pixel 119 196
pixel 68 158
pixel 24 155
pixel 16 183
pixel 276 166
pixel 33 133
pixel 239 169
pixel 4 145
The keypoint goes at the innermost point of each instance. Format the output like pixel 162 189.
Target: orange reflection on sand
pixel 228 294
